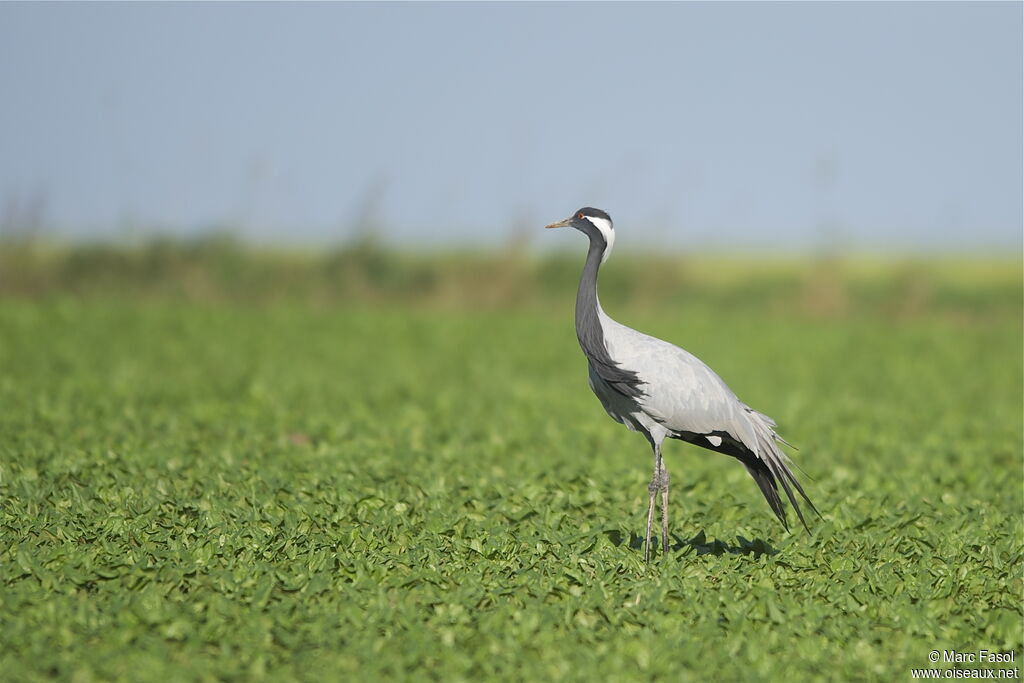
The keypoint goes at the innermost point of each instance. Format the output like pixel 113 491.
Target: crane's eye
pixel 580 215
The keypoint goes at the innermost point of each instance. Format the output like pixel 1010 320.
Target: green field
pixel 355 482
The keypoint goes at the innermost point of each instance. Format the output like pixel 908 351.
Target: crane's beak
pixel 560 224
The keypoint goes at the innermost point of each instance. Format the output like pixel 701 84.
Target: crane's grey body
pixel 660 390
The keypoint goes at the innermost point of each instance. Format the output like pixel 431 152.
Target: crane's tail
pixel 769 467
pixel 766 482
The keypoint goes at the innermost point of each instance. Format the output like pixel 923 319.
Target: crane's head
pixel 595 224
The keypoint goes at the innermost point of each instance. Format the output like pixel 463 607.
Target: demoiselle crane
pixel 662 391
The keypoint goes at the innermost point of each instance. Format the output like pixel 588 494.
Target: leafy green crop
pixel 293 491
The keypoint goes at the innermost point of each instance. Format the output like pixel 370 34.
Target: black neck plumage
pixel 589 330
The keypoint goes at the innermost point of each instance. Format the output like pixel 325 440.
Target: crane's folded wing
pixel 680 391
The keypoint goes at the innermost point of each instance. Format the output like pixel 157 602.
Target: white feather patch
pixel 715 440
pixel 605 226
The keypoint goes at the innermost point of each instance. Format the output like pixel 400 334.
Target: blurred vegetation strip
pixel 222 269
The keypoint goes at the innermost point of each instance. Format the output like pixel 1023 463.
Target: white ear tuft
pixel 605 226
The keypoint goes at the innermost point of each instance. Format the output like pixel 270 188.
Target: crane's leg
pixel 652 489
pixel 663 480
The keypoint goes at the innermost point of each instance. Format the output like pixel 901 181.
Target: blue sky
pixel 732 125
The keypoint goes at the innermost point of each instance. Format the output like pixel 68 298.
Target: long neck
pixel 588 323
pixel 590 332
